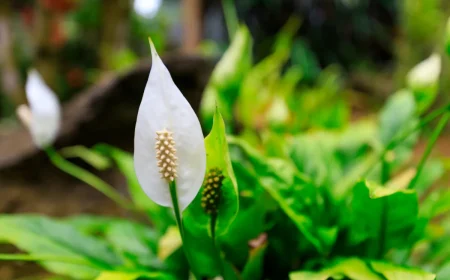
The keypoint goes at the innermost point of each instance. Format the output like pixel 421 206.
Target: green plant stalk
pixel 88 178
pixel 437 131
pixel 367 166
pixel 176 208
pixel 231 18
pixel 401 137
pixel 219 259
pixel 48 258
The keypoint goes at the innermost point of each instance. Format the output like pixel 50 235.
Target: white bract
pixel 168 143
pixel 426 73
pixel 43 117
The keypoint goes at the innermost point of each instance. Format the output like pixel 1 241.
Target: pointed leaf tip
pixel 152 48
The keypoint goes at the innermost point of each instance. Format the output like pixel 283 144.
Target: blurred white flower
pixel 43 117
pixel 168 143
pixel 426 73
pixel 147 8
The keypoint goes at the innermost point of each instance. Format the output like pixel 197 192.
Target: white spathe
pixel 43 116
pixel 426 73
pixel 163 107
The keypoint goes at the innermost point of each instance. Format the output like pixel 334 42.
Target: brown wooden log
pixel 106 112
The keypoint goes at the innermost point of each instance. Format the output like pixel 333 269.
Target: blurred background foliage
pixel 74 42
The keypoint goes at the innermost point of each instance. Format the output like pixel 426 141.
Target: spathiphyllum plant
pixel 168 146
pixel 43 115
pixel 169 150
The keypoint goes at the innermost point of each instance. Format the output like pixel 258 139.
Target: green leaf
pixel 256 89
pixel 255 264
pixel 303 56
pixel 40 235
pixel 382 218
pixel 136 243
pixel 117 276
pixel 283 41
pixel 353 268
pixel 223 87
pixel 294 193
pixel 206 259
pixel 433 170
pixel 173 255
pixel 313 155
pixel 437 203
pixel 202 228
pixel 160 216
pixel 399 114
pixel 444 271
pixel 217 157
pixel 92 157
pixel 396 115
pixel 254 205
pixel 91 225
pixel 393 272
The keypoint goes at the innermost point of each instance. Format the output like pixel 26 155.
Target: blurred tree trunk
pixel 114 30
pixel 9 75
pixel 192 24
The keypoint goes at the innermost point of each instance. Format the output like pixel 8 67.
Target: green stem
pixel 383 227
pixel 363 170
pixel 176 208
pixel 41 258
pixel 231 18
pixel 437 131
pixel 88 178
pixel 401 137
pixel 213 227
pixel 218 258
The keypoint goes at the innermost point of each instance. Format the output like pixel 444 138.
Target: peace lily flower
pixel 425 73
pixel 423 80
pixel 168 143
pixel 43 117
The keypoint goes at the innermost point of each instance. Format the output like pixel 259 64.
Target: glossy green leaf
pixel 355 269
pixel 206 259
pixel 382 218
pixel 393 272
pixel 294 193
pixel 217 157
pixel 254 206
pixel 160 216
pixel 40 235
pixel 224 84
